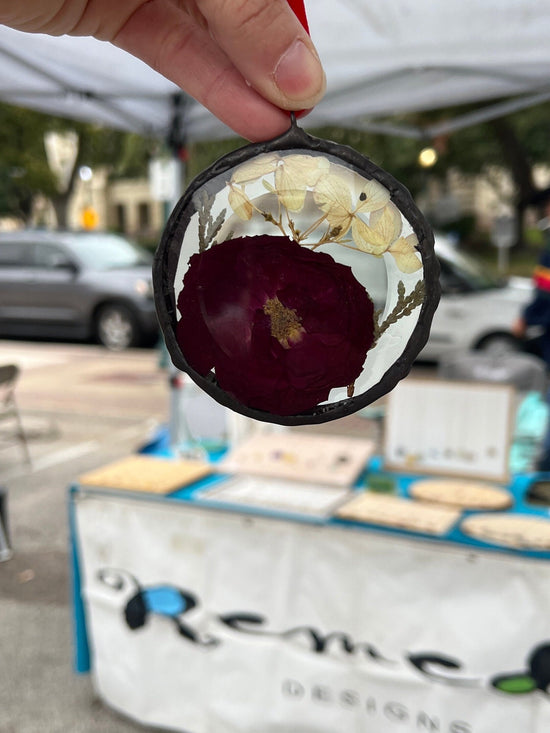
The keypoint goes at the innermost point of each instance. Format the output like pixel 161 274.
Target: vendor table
pixel 206 618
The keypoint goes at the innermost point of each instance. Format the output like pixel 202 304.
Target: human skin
pixel 246 60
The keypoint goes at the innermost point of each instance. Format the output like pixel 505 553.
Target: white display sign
pixel 449 428
pixel 201 621
pixel 164 179
pixel 504 232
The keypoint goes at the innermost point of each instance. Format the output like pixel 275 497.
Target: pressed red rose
pixel 279 324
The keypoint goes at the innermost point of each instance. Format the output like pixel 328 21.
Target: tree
pixel 126 155
pixel 516 143
pixel 203 154
pixel 24 168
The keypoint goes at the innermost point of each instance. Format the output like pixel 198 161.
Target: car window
pixel 108 252
pixel 49 256
pixel 14 254
pixel 451 280
pixel 462 271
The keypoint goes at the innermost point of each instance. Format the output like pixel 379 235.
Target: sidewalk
pixel 82 407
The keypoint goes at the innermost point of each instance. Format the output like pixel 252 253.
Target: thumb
pixel 267 43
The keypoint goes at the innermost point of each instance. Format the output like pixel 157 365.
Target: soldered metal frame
pixel 168 254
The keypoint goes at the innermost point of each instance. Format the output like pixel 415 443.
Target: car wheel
pixel 499 344
pixel 115 327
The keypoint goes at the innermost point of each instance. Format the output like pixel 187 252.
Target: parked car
pixel 476 310
pixel 98 285
pixel 76 285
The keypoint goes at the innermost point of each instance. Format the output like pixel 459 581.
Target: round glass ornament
pixel 295 281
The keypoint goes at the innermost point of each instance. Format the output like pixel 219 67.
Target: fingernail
pixel 299 74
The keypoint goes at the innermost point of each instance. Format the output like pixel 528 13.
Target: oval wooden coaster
pixel 519 532
pixel 461 493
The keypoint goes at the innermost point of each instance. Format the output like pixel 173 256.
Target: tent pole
pixel 180 438
pixel 484 114
pixel 488 113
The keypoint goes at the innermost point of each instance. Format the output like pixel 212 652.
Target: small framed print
pixel 450 428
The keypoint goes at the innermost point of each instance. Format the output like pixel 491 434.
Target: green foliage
pixel 397 155
pixel 532 127
pixel 534 237
pixel 125 154
pixel 24 169
pixel 463 228
pixel 472 150
pixel 203 154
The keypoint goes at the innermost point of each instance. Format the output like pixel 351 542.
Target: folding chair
pixel 5 549
pixel 9 374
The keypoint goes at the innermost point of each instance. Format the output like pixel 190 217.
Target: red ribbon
pixel 300 12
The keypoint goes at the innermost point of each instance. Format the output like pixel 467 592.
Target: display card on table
pixel 450 428
pixel 330 460
pixel 290 497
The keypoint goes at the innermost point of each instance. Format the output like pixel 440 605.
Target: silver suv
pixel 76 285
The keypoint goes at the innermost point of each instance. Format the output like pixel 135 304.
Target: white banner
pixel 216 622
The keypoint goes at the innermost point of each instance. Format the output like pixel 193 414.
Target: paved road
pixel 82 406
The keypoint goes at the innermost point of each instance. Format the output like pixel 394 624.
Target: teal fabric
pixel 529 431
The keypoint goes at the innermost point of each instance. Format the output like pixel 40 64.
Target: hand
pixel 519 328
pixel 246 60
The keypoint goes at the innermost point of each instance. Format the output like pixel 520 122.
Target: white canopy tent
pixel 382 58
